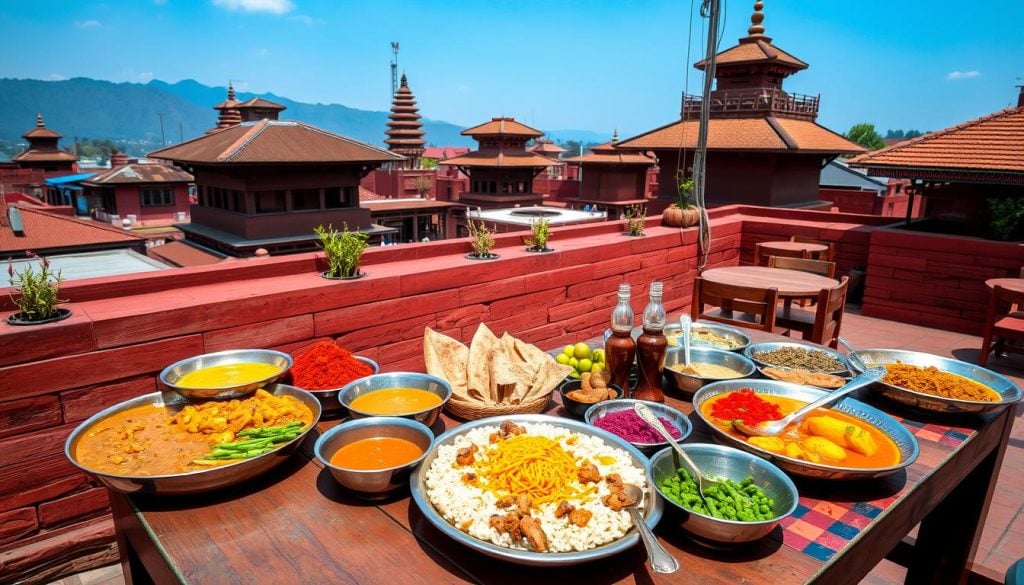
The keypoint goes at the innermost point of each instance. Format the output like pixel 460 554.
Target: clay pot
pixel 675 217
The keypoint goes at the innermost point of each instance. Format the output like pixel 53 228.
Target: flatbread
pixel 446 358
pixel 482 350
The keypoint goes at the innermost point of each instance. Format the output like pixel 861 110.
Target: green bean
pixel 743 501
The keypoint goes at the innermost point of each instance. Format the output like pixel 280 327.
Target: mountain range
pixel 131 114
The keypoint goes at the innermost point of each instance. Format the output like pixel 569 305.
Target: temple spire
pixel 231 91
pixel 756 29
pixel 39 121
pixel 405 131
pixel 615 135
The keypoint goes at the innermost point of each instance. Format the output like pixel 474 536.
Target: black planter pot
pixel 357 276
pixel 540 250
pixel 17 321
pixel 633 235
pixel 472 256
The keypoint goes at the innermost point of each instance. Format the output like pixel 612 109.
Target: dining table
pixel 295 524
pixel 791 284
pixel 1014 284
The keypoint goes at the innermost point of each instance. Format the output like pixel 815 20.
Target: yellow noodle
pixel 535 466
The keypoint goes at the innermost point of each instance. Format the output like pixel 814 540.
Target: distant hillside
pixel 128 113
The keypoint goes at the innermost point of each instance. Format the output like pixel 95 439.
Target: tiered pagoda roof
pixel 42 145
pixel 547 148
pixel 768 134
pixel 502 127
pixel 986 149
pixel 502 145
pixel 228 113
pixel 405 131
pixel 609 154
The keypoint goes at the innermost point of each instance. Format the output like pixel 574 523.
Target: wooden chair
pixel 1001 326
pixel 822 325
pixel 804 265
pixel 742 306
pixel 828 255
pixel 760 258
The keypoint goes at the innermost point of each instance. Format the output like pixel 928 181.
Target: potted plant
pixel 483 240
pixel 344 251
pixel 538 240
pixel 36 294
pixel 682 213
pixel 636 215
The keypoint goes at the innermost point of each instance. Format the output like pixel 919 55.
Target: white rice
pixel 469 508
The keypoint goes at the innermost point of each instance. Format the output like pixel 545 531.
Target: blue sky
pixel 556 64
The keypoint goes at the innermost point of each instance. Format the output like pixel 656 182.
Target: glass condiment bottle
pixel 619 348
pixel 650 348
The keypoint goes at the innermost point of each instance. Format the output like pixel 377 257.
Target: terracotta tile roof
pixel 40 132
pixel 512 159
pixel 442 152
pixel 258 102
pixel 367 195
pixel 990 143
pixel 760 134
pixel 33 155
pixel 140 173
pixel 45 232
pixel 178 253
pixel 546 146
pixel 273 141
pixel 502 127
pixel 612 158
pixel 754 51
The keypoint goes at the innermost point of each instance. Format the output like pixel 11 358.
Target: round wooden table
pixel 791 284
pixel 1014 284
pixel 807 248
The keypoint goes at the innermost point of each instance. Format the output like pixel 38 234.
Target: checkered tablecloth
pixel 820 528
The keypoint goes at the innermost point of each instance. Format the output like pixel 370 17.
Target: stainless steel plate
pixel 774 345
pixel 738 339
pixel 905 441
pixel 653 504
pixel 1007 390
pixel 192 482
pixel 171 374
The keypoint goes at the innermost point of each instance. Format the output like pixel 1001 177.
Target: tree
pixel 865 135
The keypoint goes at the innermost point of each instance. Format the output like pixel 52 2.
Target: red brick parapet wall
pixel 124 330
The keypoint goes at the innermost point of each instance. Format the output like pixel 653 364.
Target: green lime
pixel 598 355
pixel 582 351
pixel 569 349
pixel 584 365
pixel 562 359
pixel 596 368
pixel 573 362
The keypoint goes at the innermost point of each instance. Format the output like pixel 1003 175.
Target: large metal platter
pixel 774 345
pixel 653 504
pixel 738 339
pixel 903 438
pixel 1007 390
pixel 191 482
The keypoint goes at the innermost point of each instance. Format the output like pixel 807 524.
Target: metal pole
pixel 699 156
pixel 163 139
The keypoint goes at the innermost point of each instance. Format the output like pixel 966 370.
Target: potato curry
pixel 152 440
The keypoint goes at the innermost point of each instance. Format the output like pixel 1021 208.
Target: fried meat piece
pixel 509 428
pixel 618 500
pixel 506 502
pixel 507 524
pixel 614 481
pixel 469 478
pixel 563 509
pixel 465 455
pixel 580 517
pixel 523 505
pixel 588 473
pixel 530 527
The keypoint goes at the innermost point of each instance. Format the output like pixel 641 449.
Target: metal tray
pixel 653 507
pixel 192 482
pixel 903 438
pixel 774 345
pixel 1003 386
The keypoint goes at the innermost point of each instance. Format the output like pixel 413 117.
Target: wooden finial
pixel 756 28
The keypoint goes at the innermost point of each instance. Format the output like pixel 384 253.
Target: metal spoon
pixel 852 355
pixel 661 560
pixel 686 327
pixel 648 417
pixel 774 428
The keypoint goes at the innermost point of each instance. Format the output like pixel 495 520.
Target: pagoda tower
pixel 228 112
pixel 405 131
pixel 764 146
pixel 43 152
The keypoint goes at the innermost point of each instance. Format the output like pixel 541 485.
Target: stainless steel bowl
pixel 192 482
pixel 577 408
pixel 905 441
pixel 433 384
pixel 653 505
pixel 1008 392
pixel 377 483
pixel 751 351
pixel 329 398
pixel 172 373
pixel 660 410
pixel 720 462
pixel 738 340
pixel 689 383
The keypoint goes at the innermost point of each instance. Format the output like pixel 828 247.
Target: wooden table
pixel 791 284
pixel 295 525
pixel 1014 284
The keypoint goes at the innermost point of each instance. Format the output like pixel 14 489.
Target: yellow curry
pixel 225 375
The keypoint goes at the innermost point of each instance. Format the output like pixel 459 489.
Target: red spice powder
pixel 325 366
pixel 745 405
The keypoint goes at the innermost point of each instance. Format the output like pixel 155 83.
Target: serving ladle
pixel 648 417
pixel 775 427
pixel 661 560
pixel 685 328
pixel 852 354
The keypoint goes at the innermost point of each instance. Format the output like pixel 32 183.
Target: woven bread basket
pixel 477 410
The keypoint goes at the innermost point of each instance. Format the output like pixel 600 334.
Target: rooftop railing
pixel 745 102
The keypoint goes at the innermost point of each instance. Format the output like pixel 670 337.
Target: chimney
pixel 118 159
pixel 1020 97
